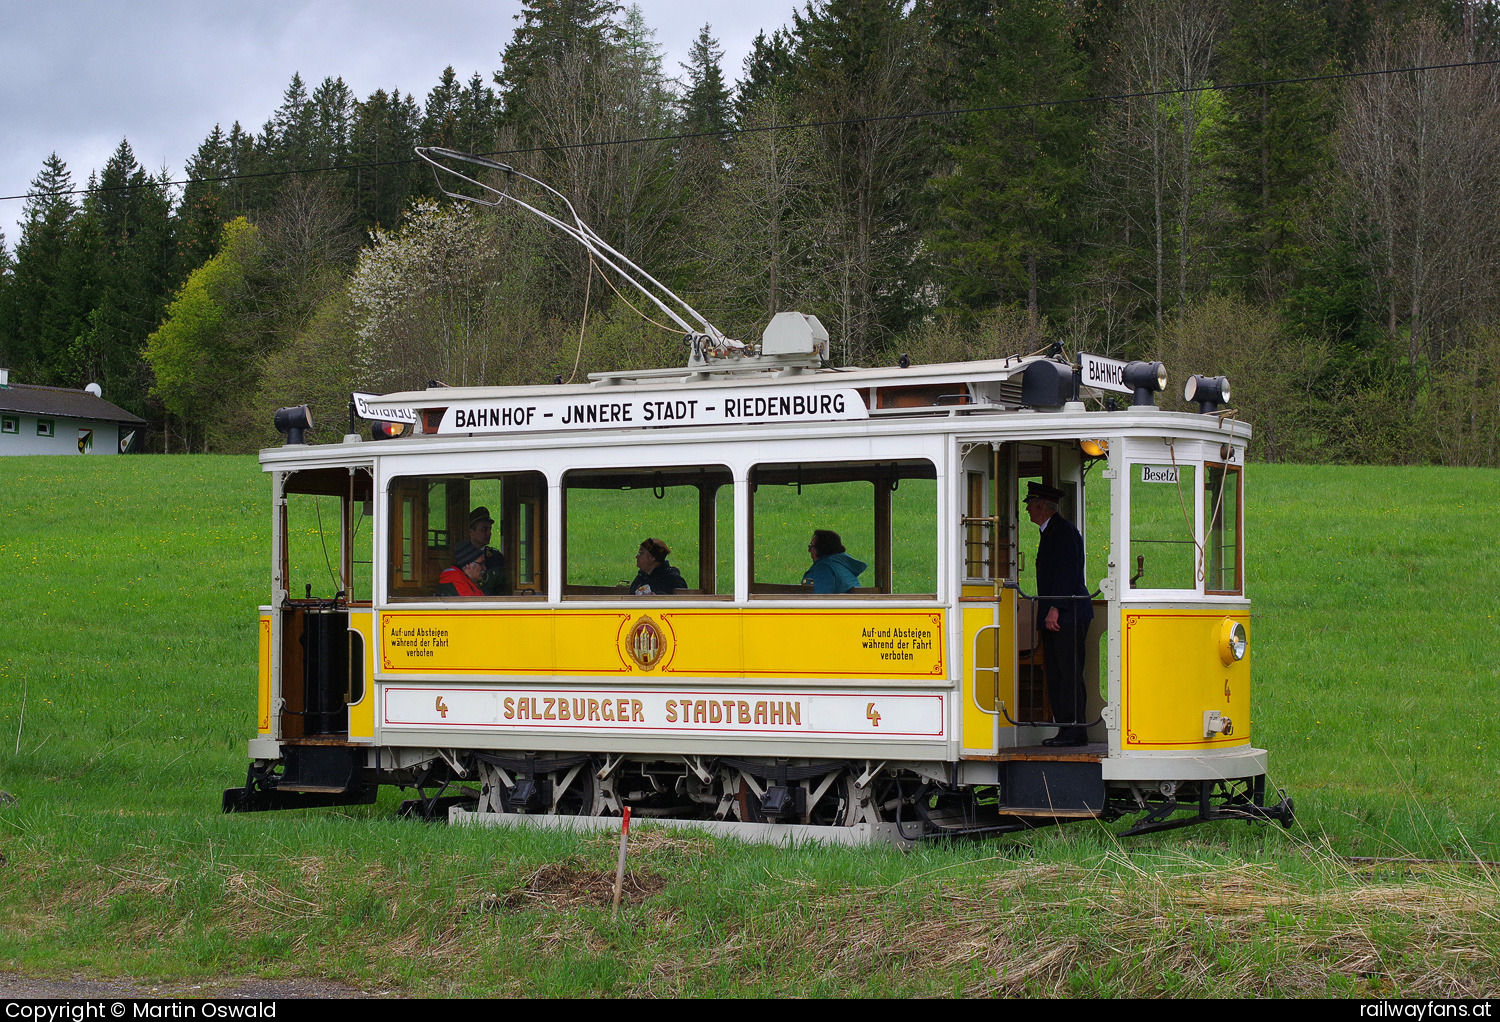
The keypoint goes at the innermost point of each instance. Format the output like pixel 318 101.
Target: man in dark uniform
pixel 492 580
pixel 1063 612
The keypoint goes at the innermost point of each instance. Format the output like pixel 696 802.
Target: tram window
pixel 884 512
pixel 1221 529
pixel 1161 526
pixel 609 512
pixel 326 531
pixel 1096 540
pixel 430 516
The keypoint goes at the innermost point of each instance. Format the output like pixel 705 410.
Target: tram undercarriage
pixel 907 802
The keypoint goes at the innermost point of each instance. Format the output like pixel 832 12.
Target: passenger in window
pixel 492 580
pixel 832 571
pixel 654 576
pixel 463 578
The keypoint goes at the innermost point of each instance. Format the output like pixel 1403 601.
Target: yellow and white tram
pixel 913 702
pixel 911 705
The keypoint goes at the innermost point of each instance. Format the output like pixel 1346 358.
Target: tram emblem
pixel 646 643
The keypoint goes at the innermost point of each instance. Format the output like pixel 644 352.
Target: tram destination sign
pixel 1103 373
pixel 640 409
pixel 370 407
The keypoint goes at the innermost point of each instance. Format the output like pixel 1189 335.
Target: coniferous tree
pixel 332 109
pixel 861 72
pixel 441 113
pixel 385 132
pixel 127 269
pixel 550 30
pixel 1007 211
pixel 704 107
pixel 45 309
pixel 198 223
pixel 1277 137
pixel 287 139
pixel 478 117
pixel 767 73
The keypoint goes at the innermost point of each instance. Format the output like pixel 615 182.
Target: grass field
pixel 126 697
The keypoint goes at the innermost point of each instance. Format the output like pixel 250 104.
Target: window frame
pixel 410 571
pixel 881 557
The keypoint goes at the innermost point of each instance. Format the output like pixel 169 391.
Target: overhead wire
pixel 800 126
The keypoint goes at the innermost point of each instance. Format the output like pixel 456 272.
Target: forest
pixel 1302 195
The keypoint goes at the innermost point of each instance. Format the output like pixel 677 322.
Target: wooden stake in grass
pixel 620 867
pixel 25 687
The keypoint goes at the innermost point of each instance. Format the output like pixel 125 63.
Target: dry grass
pixel 701 918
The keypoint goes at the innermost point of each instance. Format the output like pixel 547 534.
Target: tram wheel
pixel 573 791
pixel 833 798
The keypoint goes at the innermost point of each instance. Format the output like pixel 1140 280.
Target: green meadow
pixel 127 695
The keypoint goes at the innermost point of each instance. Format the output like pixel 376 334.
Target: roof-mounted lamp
pixel 294 423
pixel 1145 379
pixel 1208 391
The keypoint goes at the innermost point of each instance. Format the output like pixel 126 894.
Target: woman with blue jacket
pixel 832 571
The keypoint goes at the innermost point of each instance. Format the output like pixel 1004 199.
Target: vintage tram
pixel 914 700
pixel 909 706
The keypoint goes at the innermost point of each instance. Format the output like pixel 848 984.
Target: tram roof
pixel 747 374
pixel 956 396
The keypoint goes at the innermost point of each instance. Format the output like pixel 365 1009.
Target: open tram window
pixel 325 532
pixel 608 512
pixel 1221 529
pixel 431 517
pixel 885 513
pixel 1163 540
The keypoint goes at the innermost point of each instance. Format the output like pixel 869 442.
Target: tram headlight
pixel 294 423
pixel 389 430
pixel 1208 391
pixel 1145 379
pixel 1233 642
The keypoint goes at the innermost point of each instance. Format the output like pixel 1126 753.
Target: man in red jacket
pixel 463 578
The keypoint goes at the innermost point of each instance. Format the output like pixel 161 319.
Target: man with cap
pixel 1063 611
pixel 492 580
pixel 463 578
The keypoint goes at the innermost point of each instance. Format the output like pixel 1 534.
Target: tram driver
pixel 1063 611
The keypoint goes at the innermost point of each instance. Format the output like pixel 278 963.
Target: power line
pixel 804 125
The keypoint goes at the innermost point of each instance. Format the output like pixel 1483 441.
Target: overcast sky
pixel 79 75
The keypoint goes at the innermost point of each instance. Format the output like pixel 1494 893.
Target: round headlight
pixel 1233 642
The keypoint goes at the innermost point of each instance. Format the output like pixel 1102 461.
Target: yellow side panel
pixel 1172 674
pixel 362 713
pixel 816 643
pixel 501 642
pixel 732 642
pixel 979 693
pixel 263 686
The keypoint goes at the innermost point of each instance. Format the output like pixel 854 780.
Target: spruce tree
pixel 45 307
pixel 549 31
pixel 1007 207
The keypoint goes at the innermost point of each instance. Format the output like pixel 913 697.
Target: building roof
pixel 63 402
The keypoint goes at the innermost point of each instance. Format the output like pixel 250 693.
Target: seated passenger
pixel 463 578
pixel 492 580
pixel 655 576
pixel 832 571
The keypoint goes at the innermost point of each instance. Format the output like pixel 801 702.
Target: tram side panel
pixel 647 677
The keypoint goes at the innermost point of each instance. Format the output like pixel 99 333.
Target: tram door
pixel 988 608
pixel 1065 467
pixel 1005 673
pixel 319 661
